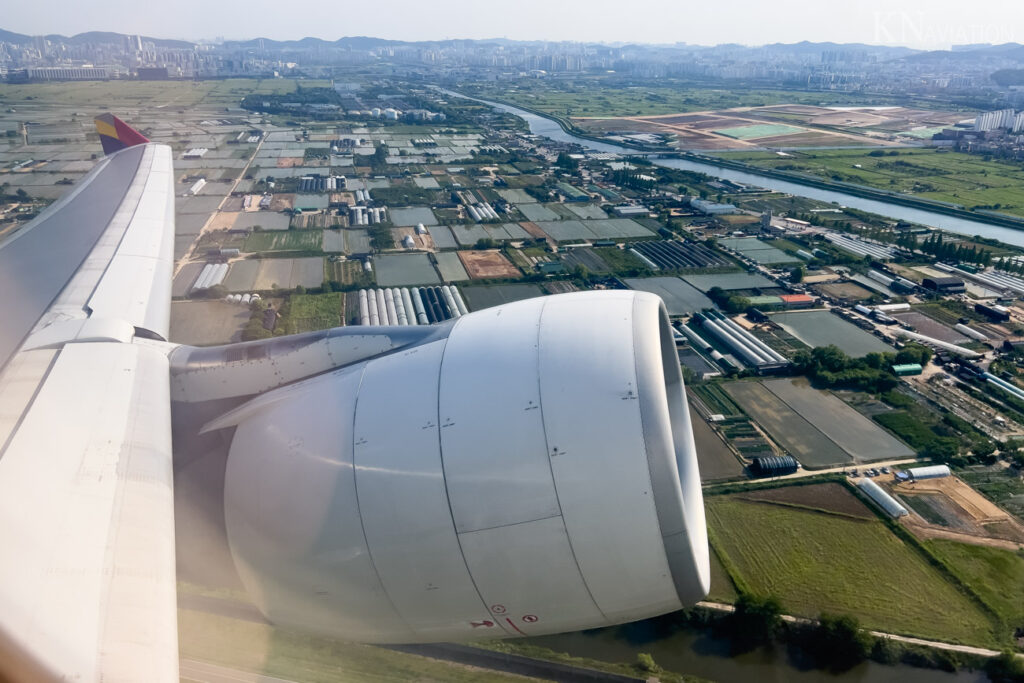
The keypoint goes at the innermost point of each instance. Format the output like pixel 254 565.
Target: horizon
pixel 914 24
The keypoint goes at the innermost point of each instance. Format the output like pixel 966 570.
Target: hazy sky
pixel 932 24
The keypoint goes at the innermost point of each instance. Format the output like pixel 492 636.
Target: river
pixel 540 125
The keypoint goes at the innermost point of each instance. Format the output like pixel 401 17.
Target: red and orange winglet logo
pixel 116 135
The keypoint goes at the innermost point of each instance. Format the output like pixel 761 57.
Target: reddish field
pixel 488 265
pixel 830 497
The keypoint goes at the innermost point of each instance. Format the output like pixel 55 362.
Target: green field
pixel 308 312
pixel 815 561
pixel 597 97
pixel 284 240
pixel 997 575
pixel 764 130
pixel 965 179
pixel 147 94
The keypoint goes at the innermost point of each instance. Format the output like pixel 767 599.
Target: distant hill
pixel 14 38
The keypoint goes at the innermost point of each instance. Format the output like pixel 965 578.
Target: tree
pixel 797 274
pixel 839 643
pixel 755 620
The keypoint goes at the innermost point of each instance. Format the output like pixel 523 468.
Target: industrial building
pixel 410 305
pixel 944 285
pixel 709 208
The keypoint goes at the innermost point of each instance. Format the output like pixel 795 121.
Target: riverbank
pixel 895 206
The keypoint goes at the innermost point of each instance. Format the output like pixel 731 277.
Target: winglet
pixel 116 135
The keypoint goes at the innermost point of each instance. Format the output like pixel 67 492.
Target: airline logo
pixel 116 135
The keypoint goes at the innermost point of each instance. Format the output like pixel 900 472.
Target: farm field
pixel 997 575
pixel 815 560
pixel 864 440
pixel 308 312
pixel 680 297
pixel 482 296
pixel 488 265
pixel 714 459
pixel 791 430
pixel 821 328
pixel 285 240
pixel 1005 488
pixel 965 179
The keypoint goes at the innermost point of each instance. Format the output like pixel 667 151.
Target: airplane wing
pixel 87 580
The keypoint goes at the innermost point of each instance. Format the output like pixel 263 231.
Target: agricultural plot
pixel 821 328
pixel 759 251
pixel 289 273
pixel 995 574
pixel 309 312
pixel 516 196
pixel 401 270
pixel 958 178
pixel 285 240
pixel 450 267
pixel 480 297
pixel 610 228
pixel 468 235
pixel 537 212
pixel 930 327
pixel 442 237
pixel 679 297
pixel 756 131
pixel 264 220
pixel 861 438
pixel 816 560
pixel 730 281
pixel 589 259
pixel 787 427
pixel 204 323
pixel 587 211
pixel 426 183
pixel 488 265
pixel 673 255
pixel 715 459
pixel 412 216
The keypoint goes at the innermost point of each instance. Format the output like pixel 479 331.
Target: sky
pixel 923 24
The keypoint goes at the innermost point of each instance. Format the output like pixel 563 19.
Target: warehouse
pixel 944 285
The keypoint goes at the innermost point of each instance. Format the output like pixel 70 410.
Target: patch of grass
pixel 995 574
pixel 284 240
pixel 965 179
pixel 817 563
pixel 309 312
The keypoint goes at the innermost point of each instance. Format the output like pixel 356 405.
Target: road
pixel 192 247
pixel 802 473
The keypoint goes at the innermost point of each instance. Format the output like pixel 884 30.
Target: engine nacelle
pixel 532 472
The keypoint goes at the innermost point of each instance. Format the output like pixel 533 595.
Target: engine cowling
pixel 532 472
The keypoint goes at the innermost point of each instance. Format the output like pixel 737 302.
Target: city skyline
pixel 912 23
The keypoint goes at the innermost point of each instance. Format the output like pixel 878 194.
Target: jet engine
pixel 529 470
